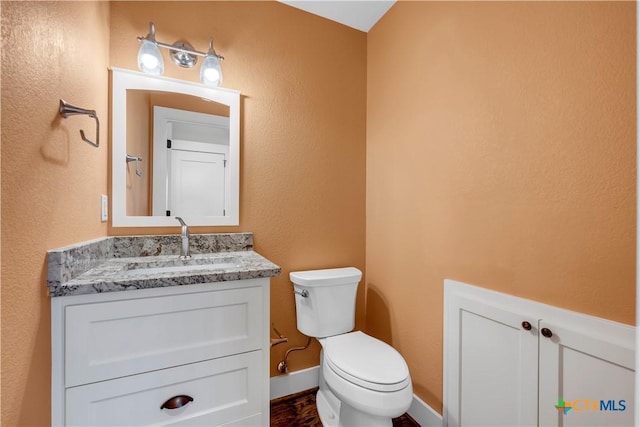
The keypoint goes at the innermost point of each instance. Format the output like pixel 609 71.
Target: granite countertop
pixel 141 262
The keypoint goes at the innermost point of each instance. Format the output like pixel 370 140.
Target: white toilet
pixel 363 381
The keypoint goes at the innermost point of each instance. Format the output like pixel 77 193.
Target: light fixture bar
pixel 182 53
pixel 178 49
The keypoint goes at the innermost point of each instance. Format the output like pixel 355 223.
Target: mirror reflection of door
pixel 190 152
pixel 196 182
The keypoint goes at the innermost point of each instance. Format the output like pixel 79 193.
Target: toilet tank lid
pixel 326 277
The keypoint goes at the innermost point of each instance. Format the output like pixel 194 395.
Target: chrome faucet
pixel 184 250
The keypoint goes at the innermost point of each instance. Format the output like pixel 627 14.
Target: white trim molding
pixel 424 414
pixel 295 382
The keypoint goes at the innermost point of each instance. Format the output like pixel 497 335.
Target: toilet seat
pixel 366 362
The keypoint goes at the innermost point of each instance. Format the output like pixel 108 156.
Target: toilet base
pixel 327 403
pixel 334 413
pixel 328 407
pixel 351 417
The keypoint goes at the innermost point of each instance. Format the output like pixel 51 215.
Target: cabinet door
pixel 491 365
pixel 586 369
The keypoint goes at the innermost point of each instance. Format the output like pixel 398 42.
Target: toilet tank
pixel 330 305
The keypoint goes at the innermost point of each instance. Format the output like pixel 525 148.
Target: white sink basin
pixel 151 268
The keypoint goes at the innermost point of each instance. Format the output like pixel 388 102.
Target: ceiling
pixel 359 14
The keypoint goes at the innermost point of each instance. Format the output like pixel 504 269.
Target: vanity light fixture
pixel 210 72
pixel 149 57
pixel 182 53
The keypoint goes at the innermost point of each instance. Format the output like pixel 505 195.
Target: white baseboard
pixel 295 382
pixel 424 414
pixel 305 379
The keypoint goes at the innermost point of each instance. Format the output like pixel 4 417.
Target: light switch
pixel 104 203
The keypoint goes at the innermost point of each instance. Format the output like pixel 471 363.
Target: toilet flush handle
pixel 303 293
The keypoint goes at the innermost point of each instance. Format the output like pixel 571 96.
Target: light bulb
pixel 210 73
pixel 149 58
pixel 149 61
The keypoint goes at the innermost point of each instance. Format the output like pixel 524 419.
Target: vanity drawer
pixel 220 390
pixel 113 339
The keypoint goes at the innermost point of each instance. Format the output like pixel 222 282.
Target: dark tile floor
pixel 298 410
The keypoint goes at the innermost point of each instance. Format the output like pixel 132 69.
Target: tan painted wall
pixel 465 179
pixel 51 179
pixel 303 151
pixel 302 180
pixel 187 102
pixel 500 152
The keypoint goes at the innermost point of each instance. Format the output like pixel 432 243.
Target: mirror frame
pixel 122 80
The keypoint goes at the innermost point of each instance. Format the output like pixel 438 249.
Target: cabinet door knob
pixel 526 326
pixel 546 332
pixel 177 402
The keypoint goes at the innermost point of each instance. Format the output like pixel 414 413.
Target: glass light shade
pixel 149 58
pixel 210 71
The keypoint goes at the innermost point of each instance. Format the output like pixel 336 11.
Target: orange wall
pixel 51 179
pixel 302 151
pixel 500 152
pixel 302 179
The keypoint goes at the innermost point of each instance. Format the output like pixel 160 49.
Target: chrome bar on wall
pixel 137 160
pixel 67 110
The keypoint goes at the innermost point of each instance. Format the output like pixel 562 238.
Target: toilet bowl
pixel 363 381
pixel 368 377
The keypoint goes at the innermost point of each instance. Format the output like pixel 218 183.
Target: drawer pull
pixel 177 402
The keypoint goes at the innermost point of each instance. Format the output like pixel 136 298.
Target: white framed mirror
pixel 175 152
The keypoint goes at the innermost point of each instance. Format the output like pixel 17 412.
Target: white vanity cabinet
pixel 513 362
pixel 179 355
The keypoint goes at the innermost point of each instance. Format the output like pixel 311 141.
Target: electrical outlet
pixel 104 208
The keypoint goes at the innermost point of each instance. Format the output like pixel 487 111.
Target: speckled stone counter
pixel 139 262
